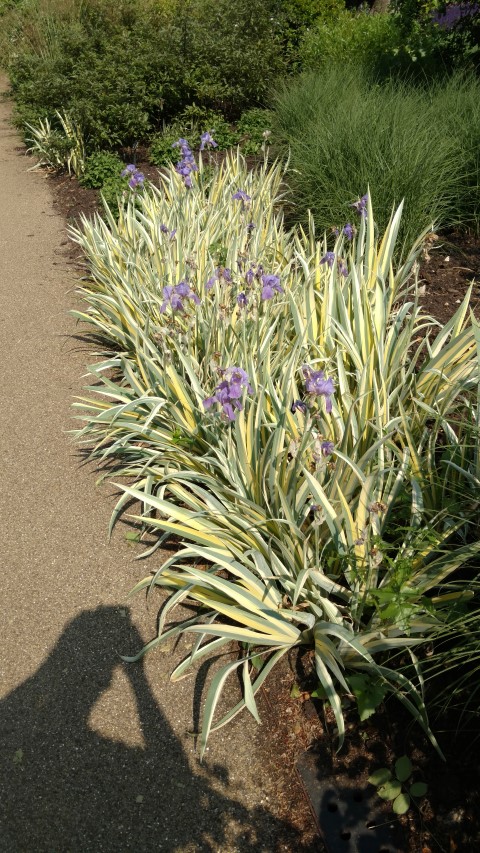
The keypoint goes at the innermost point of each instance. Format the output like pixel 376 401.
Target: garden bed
pixel 292 721
pixel 454 259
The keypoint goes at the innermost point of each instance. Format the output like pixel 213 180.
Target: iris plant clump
pixel 262 569
pixel 229 391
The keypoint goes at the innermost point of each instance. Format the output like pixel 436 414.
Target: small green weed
pixel 254 130
pixel 396 787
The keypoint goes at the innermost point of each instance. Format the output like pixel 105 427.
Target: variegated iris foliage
pixel 284 543
pixel 55 148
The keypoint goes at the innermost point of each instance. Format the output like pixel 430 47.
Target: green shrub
pixel 296 17
pixel 418 144
pixel 441 32
pixel 161 152
pixel 360 38
pixel 122 70
pixel 194 120
pixel 114 188
pixel 191 123
pixel 254 130
pixel 100 168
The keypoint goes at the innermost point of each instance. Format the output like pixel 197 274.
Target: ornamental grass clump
pixel 293 421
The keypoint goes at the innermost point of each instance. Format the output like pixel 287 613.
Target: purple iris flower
pixel 225 273
pixel 251 226
pixel 229 392
pixel 242 300
pixel 242 196
pixel 453 14
pixel 298 405
pixel 164 230
pixel 211 282
pixel 327 448
pixel 361 206
pixel 182 144
pixel 175 296
pixel 207 139
pixel 220 272
pixel 137 178
pixel 271 283
pixel 348 231
pixel 328 258
pixel 343 269
pixel 187 164
pixel 318 386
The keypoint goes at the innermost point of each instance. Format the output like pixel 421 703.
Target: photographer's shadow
pixel 65 788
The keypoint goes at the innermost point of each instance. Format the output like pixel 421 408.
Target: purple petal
pixel 328 258
pixel 267 292
pixel 228 409
pixel 327 448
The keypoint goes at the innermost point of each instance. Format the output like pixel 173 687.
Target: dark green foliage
pixel 115 187
pixel 433 29
pixel 190 125
pixel 161 152
pixel 101 167
pixel 254 130
pixel 420 145
pixel 230 52
pixel 297 17
pixel 251 133
pixel 122 70
pixel 408 42
pixel 194 120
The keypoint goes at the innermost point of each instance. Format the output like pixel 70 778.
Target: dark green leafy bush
pixel 297 17
pixel 254 130
pixel 122 70
pixel 101 167
pixel 161 151
pixel 446 34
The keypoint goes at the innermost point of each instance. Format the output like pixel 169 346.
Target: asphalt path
pixel 95 755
